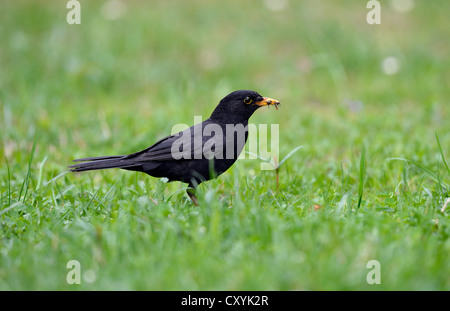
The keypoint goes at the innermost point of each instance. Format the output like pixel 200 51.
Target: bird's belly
pixel 192 171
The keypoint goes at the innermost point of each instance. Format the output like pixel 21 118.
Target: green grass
pixel 116 86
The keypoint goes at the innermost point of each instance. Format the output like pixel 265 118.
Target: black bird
pixel 197 154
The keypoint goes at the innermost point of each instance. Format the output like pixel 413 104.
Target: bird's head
pixel 238 106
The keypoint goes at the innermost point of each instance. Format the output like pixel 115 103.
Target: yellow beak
pixel 266 101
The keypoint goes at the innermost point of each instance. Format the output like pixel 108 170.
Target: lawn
pixel 369 104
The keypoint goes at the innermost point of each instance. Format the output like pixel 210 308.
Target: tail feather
pixel 100 163
pixel 98 158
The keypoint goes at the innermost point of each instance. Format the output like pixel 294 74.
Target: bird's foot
pixel 191 194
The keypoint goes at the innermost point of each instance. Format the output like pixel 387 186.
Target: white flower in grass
pixel 113 9
pixel 276 5
pixel 390 65
pixel 402 6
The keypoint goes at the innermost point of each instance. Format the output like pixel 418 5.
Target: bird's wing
pixel 175 147
pixel 203 140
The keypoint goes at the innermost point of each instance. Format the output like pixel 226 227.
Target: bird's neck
pixel 223 117
pixel 225 123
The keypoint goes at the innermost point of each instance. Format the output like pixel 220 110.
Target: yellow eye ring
pixel 248 100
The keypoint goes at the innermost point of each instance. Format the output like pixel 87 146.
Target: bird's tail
pixel 100 163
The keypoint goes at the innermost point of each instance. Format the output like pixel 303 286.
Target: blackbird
pixel 199 153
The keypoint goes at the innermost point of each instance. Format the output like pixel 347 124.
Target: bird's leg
pixel 191 193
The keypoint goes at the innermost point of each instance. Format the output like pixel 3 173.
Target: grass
pixel 115 86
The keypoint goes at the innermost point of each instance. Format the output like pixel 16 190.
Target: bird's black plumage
pixel 197 154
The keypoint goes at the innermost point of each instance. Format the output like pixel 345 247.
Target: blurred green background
pixel 131 70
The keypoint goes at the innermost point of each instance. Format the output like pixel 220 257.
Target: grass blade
pixel 258 156
pixel 26 181
pixel 106 195
pixel 362 170
pixel 427 171
pixel 41 169
pixel 9 181
pixel 10 207
pixel 55 178
pixel 442 153
pixel 290 154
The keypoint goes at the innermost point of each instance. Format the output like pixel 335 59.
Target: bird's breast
pixel 226 142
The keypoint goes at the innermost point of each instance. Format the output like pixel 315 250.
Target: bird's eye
pixel 247 100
